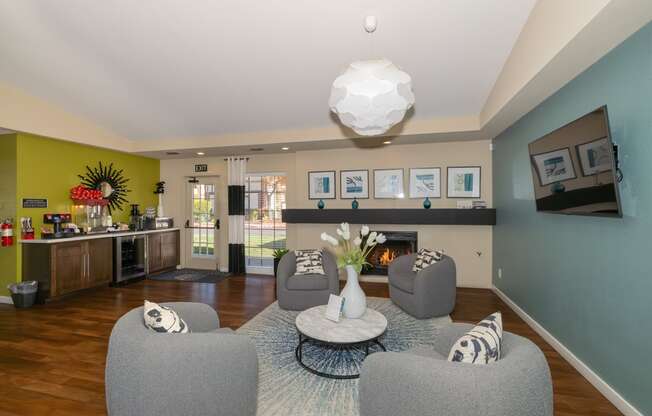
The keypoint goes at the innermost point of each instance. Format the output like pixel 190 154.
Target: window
pixel 264 230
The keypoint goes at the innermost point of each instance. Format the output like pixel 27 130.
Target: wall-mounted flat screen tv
pixel 574 168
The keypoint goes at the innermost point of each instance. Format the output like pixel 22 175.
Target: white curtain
pixel 237 169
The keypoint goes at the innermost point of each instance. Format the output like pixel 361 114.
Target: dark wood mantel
pixel 434 216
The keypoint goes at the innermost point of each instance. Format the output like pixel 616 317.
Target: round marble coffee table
pixel 345 335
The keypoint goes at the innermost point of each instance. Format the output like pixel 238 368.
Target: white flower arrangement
pixel 353 252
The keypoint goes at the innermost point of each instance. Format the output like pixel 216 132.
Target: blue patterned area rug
pixel 285 388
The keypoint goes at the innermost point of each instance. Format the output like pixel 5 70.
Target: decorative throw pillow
pixel 482 344
pixel 309 262
pixel 163 319
pixel 426 257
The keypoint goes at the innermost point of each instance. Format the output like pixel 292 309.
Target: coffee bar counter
pixel 64 266
pixel 94 236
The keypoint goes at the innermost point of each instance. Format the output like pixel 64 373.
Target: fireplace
pixel 398 243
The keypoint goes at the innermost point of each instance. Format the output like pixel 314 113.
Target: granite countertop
pixel 95 236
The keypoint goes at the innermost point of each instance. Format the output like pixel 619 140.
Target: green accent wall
pixel 8 255
pixel 587 280
pixel 48 168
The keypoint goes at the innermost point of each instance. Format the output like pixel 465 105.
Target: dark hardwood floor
pixel 52 356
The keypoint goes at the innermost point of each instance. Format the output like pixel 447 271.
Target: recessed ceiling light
pixel 387 142
pixel 200 153
pixel 285 148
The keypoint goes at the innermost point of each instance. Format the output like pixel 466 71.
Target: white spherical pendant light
pixel 371 96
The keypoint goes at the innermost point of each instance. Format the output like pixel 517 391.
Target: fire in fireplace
pixel 398 243
pixel 387 257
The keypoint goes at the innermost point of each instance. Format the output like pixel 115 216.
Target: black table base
pixel 298 353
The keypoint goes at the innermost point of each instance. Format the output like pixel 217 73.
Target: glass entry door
pixel 264 229
pixel 202 223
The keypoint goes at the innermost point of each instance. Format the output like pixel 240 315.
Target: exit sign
pixel 201 168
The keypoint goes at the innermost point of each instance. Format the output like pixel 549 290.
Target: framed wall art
pixel 354 184
pixel 321 185
pixel 388 183
pixel 463 182
pixel 555 166
pixel 595 156
pixel 425 182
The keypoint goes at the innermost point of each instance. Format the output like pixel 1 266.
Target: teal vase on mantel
pixel 321 204
pixel 426 203
pixel 355 204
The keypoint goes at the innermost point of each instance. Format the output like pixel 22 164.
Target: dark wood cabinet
pixel 68 268
pixel 169 249
pixel 65 267
pixel 154 253
pixel 163 251
pixel 62 267
pixel 100 262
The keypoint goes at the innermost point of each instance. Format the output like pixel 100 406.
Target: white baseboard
pixel 372 278
pixel 612 395
pixel 6 299
pixel 375 278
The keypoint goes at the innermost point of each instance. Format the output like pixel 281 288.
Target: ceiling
pixel 151 70
pixel 220 76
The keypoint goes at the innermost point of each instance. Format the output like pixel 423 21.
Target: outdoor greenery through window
pixel 203 219
pixel 264 230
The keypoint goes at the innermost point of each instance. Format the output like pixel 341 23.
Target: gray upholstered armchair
pixel 299 292
pixel 422 382
pixel 428 293
pixel 211 371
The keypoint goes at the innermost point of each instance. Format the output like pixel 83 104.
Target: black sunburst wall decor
pixel 110 181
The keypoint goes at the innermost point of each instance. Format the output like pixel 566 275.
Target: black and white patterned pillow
pixel 163 319
pixel 426 257
pixel 482 344
pixel 309 262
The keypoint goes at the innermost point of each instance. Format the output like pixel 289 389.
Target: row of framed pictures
pixel 463 182
pixel 557 165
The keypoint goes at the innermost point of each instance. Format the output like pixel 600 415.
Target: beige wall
pixel 19 108
pixel 461 242
pixel 176 173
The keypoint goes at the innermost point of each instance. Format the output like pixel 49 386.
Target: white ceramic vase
pixel 159 208
pixel 355 303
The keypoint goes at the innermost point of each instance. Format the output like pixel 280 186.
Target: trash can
pixel 23 294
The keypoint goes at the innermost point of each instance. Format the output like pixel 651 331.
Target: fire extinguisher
pixel 7 232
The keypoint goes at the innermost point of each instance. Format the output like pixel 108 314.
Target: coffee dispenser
pixel 57 221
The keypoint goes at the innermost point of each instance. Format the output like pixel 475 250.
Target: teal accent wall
pixel 587 280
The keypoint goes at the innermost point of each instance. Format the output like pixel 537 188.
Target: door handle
pixel 217 224
pixel 187 223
